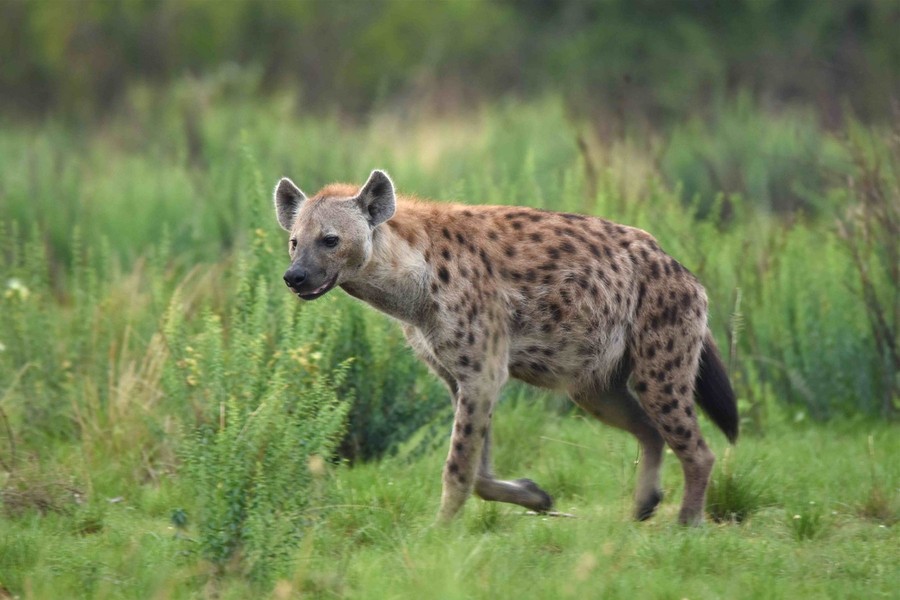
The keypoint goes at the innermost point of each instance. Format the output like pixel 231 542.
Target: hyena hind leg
pixel 668 400
pixel 618 408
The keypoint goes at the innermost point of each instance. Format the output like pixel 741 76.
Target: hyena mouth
pixel 319 291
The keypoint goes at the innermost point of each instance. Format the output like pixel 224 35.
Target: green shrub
pixel 266 427
pixel 393 393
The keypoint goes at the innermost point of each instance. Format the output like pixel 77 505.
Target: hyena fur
pixel 561 301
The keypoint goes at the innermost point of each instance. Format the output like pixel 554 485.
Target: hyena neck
pixel 395 279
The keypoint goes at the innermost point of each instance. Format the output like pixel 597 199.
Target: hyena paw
pixel 647 507
pixel 541 501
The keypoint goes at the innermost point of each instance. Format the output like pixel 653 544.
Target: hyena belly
pixel 568 334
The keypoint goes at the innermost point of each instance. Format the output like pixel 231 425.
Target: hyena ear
pixel 288 199
pixel 376 198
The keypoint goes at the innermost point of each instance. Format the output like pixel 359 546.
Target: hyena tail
pixel 713 390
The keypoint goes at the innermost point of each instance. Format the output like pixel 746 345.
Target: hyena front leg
pixel 523 492
pixel 471 426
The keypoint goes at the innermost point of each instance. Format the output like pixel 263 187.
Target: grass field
pixel 169 415
pixel 821 527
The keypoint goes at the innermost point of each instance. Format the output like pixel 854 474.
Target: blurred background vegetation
pixel 141 309
pixel 623 61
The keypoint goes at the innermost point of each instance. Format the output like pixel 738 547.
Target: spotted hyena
pixel 560 301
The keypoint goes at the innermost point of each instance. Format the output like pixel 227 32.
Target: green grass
pixel 374 536
pixel 141 302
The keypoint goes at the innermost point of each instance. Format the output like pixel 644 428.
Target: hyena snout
pixel 309 285
pixel 295 276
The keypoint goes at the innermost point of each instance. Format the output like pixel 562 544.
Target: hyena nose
pixel 295 276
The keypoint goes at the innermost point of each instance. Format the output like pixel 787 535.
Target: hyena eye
pixel 330 241
pixel 293 243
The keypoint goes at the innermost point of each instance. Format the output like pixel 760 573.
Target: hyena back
pixel 560 301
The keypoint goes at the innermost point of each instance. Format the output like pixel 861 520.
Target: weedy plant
pixel 735 491
pixel 267 420
pixel 806 521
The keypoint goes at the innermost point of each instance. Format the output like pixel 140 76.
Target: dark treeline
pixel 647 60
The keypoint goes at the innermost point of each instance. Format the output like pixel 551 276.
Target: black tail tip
pixel 714 393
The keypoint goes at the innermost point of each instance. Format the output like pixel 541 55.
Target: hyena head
pixel 331 233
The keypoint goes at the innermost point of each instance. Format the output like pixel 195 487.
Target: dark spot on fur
pixel 536 237
pixel 517 225
pixel 446 253
pixel 453 467
pixel 492 235
pixel 460 238
pixel 668 388
pixel 640 386
pixel 669 407
pixel 553 253
pixel 654 270
pixel 670 344
pixel 464 361
pixel 510 251
pixel 446 233
pixel 467 430
pixel 487 262
pixel 443 274
pixel 555 311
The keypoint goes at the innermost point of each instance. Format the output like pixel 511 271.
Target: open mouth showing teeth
pixel 319 290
